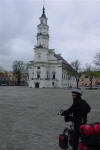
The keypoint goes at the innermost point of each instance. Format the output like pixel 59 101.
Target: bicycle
pixel 66 138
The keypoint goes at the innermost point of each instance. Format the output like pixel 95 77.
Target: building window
pixel 62 75
pixel 53 76
pixel 82 84
pixel 69 77
pixel 47 75
pixel 86 76
pixel 38 76
pixel 38 67
pixel 66 76
pixel 82 79
pixel 53 83
pixel 38 56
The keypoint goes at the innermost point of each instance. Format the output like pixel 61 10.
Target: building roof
pixel 65 64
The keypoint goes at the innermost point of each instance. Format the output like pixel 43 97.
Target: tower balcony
pixel 42 34
pixel 39 46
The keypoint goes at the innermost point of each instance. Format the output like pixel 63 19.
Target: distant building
pixel 8 78
pixel 3 78
pixel 85 81
pixel 48 68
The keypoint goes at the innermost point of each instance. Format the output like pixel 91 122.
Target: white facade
pixel 48 68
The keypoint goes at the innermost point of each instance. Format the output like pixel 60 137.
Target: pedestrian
pixel 79 109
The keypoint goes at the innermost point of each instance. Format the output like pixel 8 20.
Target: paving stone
pixel 29 120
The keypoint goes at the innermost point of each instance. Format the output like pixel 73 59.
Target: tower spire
pixel 43 10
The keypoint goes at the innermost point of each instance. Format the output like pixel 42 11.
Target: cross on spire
pixel 43 2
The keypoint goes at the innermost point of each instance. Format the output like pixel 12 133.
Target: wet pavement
pixel 29 120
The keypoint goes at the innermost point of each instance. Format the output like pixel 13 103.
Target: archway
pixel 36 85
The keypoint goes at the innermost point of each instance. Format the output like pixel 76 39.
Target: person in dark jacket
pixel 80 108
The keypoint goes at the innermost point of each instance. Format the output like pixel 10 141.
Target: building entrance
pixel 37 85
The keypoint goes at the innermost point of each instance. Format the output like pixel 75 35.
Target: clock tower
pixel 41 49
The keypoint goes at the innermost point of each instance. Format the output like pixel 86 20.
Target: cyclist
pixel 79 109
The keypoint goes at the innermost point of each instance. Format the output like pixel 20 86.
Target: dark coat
pixel 79 109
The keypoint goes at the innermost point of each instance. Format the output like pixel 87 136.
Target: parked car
pixel 98 86
pixel 86 86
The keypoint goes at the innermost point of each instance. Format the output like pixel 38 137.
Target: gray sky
pixel 74 29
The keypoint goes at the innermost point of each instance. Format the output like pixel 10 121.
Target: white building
pixel 48 68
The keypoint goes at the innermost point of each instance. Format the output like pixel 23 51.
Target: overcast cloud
pixel 74 29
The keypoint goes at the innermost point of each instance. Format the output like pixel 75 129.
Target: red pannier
pixel 90 134
pixel 81 146
pixel 63 141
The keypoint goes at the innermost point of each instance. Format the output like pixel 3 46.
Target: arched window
pixel 53 76
pixel 38 67
pixel 38 76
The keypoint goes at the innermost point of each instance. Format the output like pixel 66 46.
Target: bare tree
pixel 76 66
pixel 97 60
pixel 1 69
pixel 18 68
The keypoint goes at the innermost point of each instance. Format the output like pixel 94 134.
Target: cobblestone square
pixel 29 120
